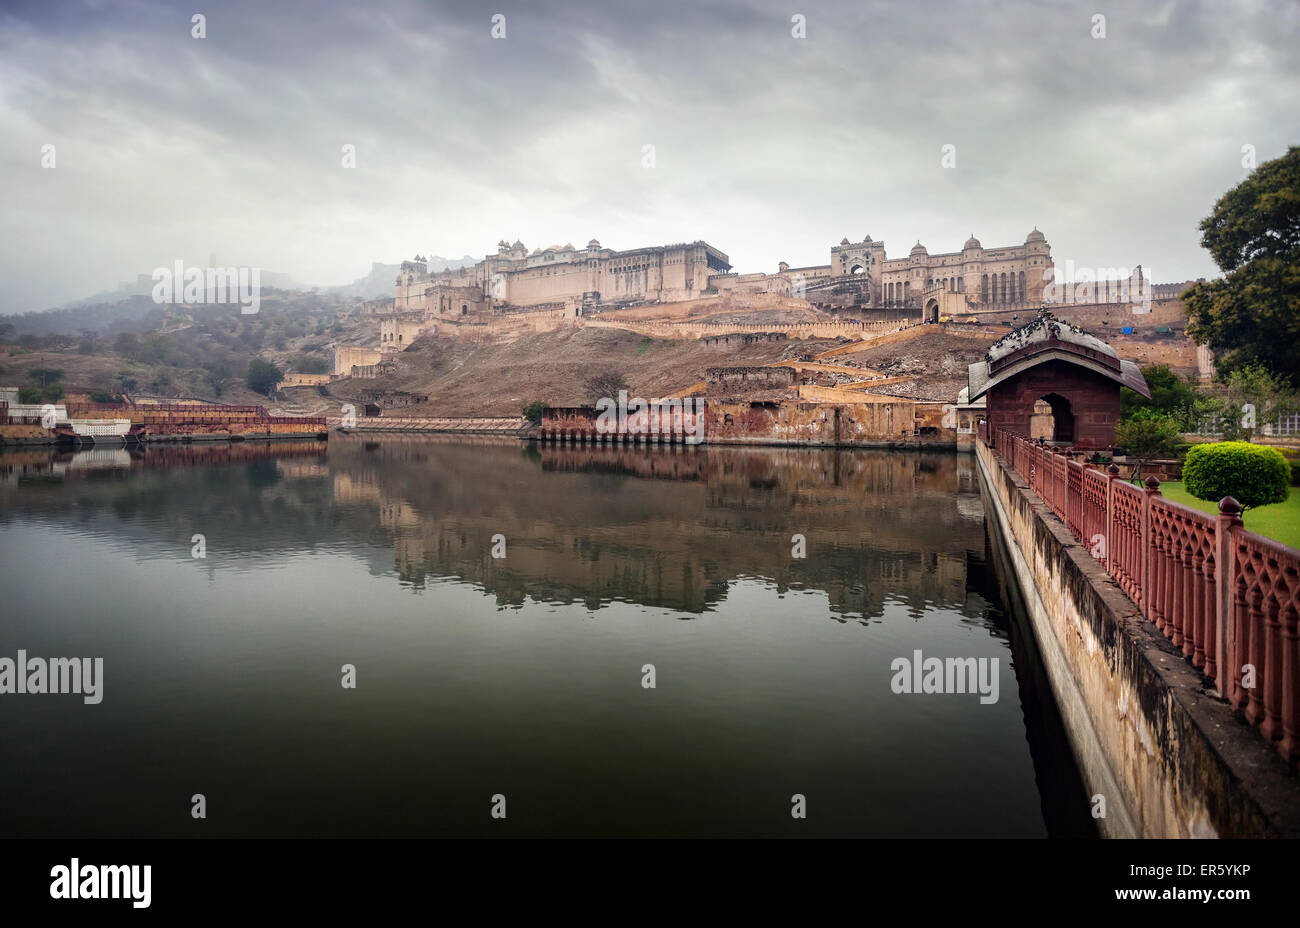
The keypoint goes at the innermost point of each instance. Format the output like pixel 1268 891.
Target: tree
pixel 1253 234
pixel 45 375
pixel 1255 397
pixel 262 376
pixel 533 412
pixel 1148 435
pixel 1170 394
pixel 49 394
pixel 312 364
pixel 1253 475
pixel 127 345
pixel 604 383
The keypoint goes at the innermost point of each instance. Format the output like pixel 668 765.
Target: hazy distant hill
pixel 379 282
pixel 118 310
pixel 144 284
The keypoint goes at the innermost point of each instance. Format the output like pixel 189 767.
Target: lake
pixel 609 641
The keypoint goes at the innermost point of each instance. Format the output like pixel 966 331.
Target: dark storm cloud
pixel 769 147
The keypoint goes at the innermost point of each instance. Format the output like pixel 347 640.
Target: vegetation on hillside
pixel 201 350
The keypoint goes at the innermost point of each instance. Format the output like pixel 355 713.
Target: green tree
pixel 1148 435
pixel 1170 394
pixel 533 411
pixel 262 376
pixel 1253 234
pixel 1258 396
pixel 311 364
pixel 45 375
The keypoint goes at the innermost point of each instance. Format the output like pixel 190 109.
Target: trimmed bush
pixel 1253 475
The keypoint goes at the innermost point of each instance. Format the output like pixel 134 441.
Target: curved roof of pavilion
pixel 1047 338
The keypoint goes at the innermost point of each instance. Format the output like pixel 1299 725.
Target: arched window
pixel 1022 285
pixel 1002 288
pixel 984 288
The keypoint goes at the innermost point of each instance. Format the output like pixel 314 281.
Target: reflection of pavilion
pixel 672 529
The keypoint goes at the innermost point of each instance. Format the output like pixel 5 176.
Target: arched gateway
pixel 1076 374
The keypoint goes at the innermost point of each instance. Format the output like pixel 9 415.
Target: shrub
pixel 312 364
pixel 1253 475
pixel 533 411
pixel 604 383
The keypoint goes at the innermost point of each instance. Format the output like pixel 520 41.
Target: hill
pixel 465 378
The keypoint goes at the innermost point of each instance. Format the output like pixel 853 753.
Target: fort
pixel 580 281
pixel 784 352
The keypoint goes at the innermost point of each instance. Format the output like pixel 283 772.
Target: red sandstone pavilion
pixel 1225 598
pixel 1075 373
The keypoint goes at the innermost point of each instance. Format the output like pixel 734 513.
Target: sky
pixel 771 147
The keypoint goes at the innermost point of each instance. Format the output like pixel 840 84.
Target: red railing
pixel 1228 598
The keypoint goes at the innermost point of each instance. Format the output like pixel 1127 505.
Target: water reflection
pixel 522 671
pixel 668 528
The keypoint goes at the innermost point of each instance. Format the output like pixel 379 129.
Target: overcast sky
pixel 768 147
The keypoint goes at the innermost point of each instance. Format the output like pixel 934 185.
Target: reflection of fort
pixel 672 527
pixel 50 461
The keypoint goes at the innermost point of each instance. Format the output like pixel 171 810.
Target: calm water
pixel 521 675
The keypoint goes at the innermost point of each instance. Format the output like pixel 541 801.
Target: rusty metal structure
pixel 1229 599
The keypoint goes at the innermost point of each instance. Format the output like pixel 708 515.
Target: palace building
pixel 561 275
pixel 582 280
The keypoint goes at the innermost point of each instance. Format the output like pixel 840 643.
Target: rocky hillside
pixel 465 378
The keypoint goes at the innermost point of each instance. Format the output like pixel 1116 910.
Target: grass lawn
pixel 1280 521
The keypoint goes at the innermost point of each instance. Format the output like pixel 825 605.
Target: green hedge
pixel 1253 475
